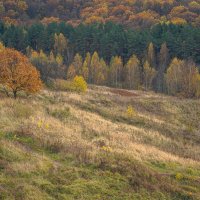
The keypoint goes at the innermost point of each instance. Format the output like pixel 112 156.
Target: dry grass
pixel 165 129
pixel 85 126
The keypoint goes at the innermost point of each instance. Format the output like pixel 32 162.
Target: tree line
pixel 109 54
pixel 109 39
pixel 175 77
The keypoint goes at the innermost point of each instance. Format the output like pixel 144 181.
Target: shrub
pixel 179 176
pixel 130 112
pixel 79 84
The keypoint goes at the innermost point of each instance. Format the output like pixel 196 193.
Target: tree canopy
pixel 131 13
pixel 17 73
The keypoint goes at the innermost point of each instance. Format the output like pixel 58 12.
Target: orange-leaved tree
pixel 17 73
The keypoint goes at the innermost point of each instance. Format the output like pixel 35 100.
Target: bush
pixel 179 176
pixel 130 112
pixel 79 84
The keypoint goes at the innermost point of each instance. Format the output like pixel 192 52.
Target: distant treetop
pixel 131 13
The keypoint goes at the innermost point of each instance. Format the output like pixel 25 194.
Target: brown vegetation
pixel 57 133
pixel 134 13
pixel 17 73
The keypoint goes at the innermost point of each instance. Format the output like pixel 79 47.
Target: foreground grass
pixel 62 145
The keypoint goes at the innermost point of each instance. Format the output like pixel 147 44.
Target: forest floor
pixel 66 146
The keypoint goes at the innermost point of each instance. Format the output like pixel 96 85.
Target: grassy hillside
pixel 61 145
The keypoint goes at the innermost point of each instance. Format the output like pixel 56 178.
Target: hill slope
pixel 61 145
pixel 133 13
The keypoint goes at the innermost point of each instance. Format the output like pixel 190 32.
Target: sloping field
pixel 62 145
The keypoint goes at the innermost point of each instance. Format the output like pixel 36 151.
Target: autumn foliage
pixel 134 13
pixel 79 84
pixel 183 78
pixel 17 73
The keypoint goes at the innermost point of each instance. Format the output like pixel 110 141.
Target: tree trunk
pixel 15 94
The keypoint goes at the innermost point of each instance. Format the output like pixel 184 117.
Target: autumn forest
pixel 109 54
pixel 131 13
pixel 99 99
pixel 127 44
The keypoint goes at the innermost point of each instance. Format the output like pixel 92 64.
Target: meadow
pixel 67 145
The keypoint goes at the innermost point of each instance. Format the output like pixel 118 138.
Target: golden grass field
pixel 64 145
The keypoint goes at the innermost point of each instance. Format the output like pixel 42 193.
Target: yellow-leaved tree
pixel 60 44
pixel 132 73
pixel 17 73
pixel 75 67
pixel 79 84
pixel 115 71
pixel 183 78
pixel 149 74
